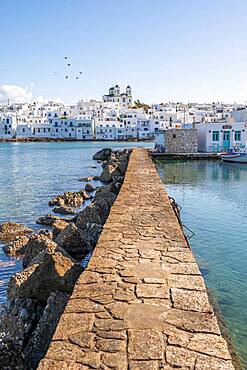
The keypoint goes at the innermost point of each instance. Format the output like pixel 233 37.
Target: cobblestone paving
pixel 141 304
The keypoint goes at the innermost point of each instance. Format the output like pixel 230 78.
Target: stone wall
pixel 141 304
pixel 181 141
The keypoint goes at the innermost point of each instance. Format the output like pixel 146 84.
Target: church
pixel 122 99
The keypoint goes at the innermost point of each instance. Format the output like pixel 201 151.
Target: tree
pixel 138 104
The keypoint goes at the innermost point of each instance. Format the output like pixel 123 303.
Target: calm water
pixel 33 173
pixel 213 197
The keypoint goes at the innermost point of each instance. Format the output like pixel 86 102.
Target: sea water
pixel 33 173
pixel 213 196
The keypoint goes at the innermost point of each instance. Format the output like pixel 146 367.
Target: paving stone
pixel 111 334
pixel 180 357
pixel 210 344
pixel 61 365
pixel 193 321
pixel 110 345
pixel 83 305
pixel 190 300
pixel 144 365
pixel 152 291
pixel 92 359
pixel 117 309
pixel 182 268
pixel 210 363
pixel 155 281
pixel 63 351
pixel 109 324
pixel 117 361
pixel 146 344
pixel 186 282
pixel 83 340
pixel 145 316
pixel 73 323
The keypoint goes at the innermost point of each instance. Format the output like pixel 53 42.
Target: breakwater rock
pixel 52 262
pixel 11 230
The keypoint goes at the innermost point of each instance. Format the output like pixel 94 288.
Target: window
pixel 237 135
pixel 174 136
pixel 56 129
pixel 216 136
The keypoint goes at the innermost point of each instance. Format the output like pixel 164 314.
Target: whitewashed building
pixel 239 115
pixel 221 136
pixel 116 98
pixel 24 130
pixel 72 128
pixel 7 126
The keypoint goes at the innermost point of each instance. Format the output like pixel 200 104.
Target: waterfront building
pixel 24 130
pixel 221 136
pixel 174 141
pixel 79 128
pixel 7 126
pixel 114 118
pixel 108 128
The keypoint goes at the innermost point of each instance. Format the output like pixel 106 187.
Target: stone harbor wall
pixel 181 141
pixel 141 304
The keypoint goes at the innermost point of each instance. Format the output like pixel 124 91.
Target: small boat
pixel 236 157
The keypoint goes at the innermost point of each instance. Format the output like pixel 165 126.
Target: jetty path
pixel 141 304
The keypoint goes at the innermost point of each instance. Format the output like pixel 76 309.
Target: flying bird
pixel 68 64
pixel 67 77
pixel 65 58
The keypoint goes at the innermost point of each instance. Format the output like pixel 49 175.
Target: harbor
pixel 184 180
pixel 123 173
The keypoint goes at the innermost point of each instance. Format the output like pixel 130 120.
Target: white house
pixel 72 128
pixel 239 115
pixel 7 126
pixel 24 130
pixel 221 136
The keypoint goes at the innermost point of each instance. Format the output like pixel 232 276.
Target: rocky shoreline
pixel 53 258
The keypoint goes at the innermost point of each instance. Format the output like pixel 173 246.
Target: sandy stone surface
pixel 141 304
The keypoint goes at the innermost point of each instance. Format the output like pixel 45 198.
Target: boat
pixel 235 157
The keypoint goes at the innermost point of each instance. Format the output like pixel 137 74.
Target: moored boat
pixel 236 157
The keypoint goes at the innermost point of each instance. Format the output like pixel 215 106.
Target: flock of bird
pixel 68 75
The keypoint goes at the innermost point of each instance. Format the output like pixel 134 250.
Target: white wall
pixel 205 135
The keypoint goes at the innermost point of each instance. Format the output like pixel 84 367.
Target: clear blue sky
pixel 190 50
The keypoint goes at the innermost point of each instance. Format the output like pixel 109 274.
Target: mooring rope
pixel 177 208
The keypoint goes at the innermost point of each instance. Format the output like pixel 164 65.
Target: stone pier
pixel 141 304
